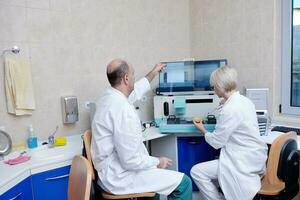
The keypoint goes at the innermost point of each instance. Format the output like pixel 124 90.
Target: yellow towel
pixel 18 85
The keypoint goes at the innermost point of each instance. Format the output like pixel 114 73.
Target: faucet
pixel 51 138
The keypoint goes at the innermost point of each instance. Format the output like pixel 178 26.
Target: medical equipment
pixel 187 77
pixel 263 122
pixel 259 97
pixel 184 93
pixel 175 114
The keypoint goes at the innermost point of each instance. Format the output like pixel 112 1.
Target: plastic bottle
pixel 32 139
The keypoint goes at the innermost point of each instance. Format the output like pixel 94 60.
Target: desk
pixel 152 133
pixel 272 135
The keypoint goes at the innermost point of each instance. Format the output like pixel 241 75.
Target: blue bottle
pixel 32 139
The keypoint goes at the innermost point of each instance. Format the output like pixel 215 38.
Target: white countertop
pixel 272 135
pixel 152 133
pixel 44 159
pixel 40 161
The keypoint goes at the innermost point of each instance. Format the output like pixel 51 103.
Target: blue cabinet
pixel 22 191
pixel 191 151
pixel 52 184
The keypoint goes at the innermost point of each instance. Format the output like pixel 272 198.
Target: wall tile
pixel 13 2
pixel 40 4
pixel 13 23
pixel 59 5
pixel 71 42
pixel 40 26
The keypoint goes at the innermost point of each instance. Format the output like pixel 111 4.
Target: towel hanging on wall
pixel 18 85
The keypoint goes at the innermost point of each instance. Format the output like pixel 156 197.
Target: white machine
pixel 166 107
pixel 184 92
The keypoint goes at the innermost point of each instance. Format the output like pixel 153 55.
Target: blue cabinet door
pixel 52 184
pixel 191 151
pixel 22 191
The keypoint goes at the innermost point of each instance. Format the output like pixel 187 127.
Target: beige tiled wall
pixel 70 42
pixel 241 31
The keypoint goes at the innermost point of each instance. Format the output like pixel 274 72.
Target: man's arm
pixel 156 69
pixel 143 85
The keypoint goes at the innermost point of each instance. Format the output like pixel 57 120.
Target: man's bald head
pixel 116 70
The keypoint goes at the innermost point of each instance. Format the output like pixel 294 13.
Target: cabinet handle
pixel 194 142
pixel 16 196
pixel 57 177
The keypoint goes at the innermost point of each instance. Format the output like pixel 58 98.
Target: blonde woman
pixel 243 153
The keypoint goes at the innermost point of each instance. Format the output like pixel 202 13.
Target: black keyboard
pixel 285 129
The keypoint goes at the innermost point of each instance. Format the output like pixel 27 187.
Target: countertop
pixel 42 159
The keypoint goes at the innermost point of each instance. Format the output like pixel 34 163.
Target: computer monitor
pixel 187 76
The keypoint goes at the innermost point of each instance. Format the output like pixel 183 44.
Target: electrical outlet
pixel 86 105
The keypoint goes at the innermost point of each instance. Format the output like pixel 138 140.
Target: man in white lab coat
pixel 243 153
pixel 118 152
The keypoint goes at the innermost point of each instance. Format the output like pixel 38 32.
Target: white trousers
pixel 205 175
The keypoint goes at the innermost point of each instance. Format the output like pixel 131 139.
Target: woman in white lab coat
pixel 243 153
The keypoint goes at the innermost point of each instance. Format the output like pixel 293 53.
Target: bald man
pixel 119 155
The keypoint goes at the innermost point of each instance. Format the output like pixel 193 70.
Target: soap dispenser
pixel 32 139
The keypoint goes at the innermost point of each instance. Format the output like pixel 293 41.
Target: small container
pixel 32 139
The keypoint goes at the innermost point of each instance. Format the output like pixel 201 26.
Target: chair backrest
pixel 87 137
pixel 80 179
pixel 274 158
pixel 288 168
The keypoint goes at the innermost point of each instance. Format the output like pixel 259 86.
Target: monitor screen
pixel 183 76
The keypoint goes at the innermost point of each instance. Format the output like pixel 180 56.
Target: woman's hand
pixel 200 126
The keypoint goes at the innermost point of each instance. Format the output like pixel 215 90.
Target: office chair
pixel 80 179
pixel 281 179
pixel 87 136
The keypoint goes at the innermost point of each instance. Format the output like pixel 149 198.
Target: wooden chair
pixel 80 179
pixel 87 136
pixel 281 178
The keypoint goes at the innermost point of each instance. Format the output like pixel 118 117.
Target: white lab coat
pixel 243 153
pixel 118 152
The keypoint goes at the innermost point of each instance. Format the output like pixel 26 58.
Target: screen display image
pixel 184 76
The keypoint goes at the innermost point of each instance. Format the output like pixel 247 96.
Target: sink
pixel 44 153
pixel 48 153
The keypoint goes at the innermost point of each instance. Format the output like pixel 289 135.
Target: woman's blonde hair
pixel 225 78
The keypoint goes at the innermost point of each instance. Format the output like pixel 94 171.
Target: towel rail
pixel 15 49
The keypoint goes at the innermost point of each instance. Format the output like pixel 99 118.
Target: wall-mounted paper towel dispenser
pixel 69 109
